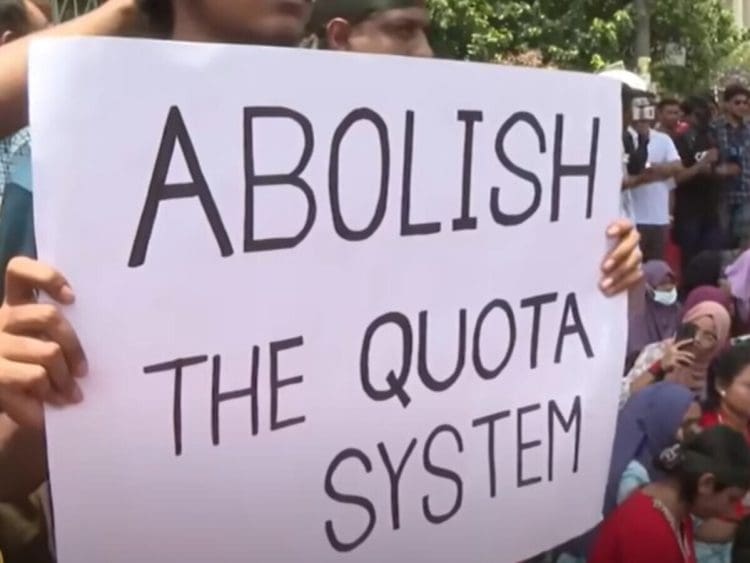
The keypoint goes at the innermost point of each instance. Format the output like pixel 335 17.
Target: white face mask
pixel 666 298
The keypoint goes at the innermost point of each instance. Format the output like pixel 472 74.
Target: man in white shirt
pixel 650 198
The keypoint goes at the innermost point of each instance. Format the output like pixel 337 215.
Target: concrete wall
pixel 741 11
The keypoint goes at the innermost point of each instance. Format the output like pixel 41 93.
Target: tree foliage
pixel 587 34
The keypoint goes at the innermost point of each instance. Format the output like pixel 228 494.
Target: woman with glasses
pixel 685 358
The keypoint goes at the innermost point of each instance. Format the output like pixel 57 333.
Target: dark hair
pixel 719 450
pixel 160 16
pixel 695 104
pixel 667 102
pixel 703 269
pixel 13 16
pixel 724 371
pixel 734 90
pixel 741 547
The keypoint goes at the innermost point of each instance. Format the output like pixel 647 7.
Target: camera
pixel 636 150
pixel 636 153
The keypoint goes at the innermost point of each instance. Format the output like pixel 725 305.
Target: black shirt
pixel 698 196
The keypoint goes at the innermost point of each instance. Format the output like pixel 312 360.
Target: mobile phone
pixel 685 331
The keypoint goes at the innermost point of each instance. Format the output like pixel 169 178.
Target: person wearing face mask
pixel 685 358
pixel 659 317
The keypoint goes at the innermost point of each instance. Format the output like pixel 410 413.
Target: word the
pixel 219 396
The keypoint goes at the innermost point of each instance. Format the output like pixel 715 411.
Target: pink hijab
pixel 694 376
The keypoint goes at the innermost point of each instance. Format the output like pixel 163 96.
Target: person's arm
pixel 115 17
pixel 640 372
pixel 672 165
pixel 23 460
pixel 648 176
pixel 703 166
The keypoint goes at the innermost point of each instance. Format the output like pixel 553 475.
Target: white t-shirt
pixel 651 201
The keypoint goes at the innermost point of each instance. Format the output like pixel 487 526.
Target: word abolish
pixel 176 132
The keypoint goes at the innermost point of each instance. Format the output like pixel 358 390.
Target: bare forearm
pixel 23 460
pixel 115 17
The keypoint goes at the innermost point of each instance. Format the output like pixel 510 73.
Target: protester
pixel 738 281
pixel 705 269
pixel 685 359
pixel 17 18
pixel 394 27
pixel 669 114
pixel 40 355
pixel 728 404
pixel 658 319
pixel 114 17
pixel 709 293
pixel 651 200
pixel 47 359
pixel 697 223
pixel 636 169
pixel 733 136
pixel 650 422
pixel 706 477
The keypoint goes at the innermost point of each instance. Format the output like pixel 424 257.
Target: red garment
pixel 742 508
pixel 637 532
pixel 711 418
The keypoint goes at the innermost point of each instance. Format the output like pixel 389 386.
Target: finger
pixel 48 320
pixel 622 284
pixel 21 377
pixel 23 409
pixel 683 343
pixel 626 248
pixel 689 356
pixel 47 354
pixel 24 276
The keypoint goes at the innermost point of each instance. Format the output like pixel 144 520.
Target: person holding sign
pixel 705 477
pixel 393 27
pixel 40 353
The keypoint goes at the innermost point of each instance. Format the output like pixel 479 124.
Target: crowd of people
pixel 680 467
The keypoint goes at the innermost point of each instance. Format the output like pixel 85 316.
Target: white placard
pixel 436 205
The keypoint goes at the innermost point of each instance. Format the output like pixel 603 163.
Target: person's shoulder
pixel 709 419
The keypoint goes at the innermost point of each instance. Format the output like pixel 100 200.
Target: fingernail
pixel 613 231
pixel 609 264
pixel 76 394
pixel 67 295
pixel 607 283
pixel 82 369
